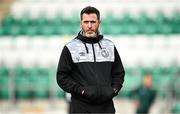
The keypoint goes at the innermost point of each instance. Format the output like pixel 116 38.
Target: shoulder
pixel 107 41
pixel 73 43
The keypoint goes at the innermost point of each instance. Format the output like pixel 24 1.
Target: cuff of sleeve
pixel 115 91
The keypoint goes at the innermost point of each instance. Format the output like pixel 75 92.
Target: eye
pixel 86 22
pixel 93 21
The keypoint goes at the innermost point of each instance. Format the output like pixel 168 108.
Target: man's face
pixel 89 24
pixel 147 80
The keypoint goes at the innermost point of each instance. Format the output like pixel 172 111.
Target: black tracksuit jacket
pixel 92 65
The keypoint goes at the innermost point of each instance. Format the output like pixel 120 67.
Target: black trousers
pixel 77 106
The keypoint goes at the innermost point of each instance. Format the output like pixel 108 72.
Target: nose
pixel 89 25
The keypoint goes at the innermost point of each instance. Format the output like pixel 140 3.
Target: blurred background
pixel 33 33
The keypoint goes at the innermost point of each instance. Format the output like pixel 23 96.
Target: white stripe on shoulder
pixel 107 41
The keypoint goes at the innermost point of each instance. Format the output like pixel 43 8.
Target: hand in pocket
pixel 90 92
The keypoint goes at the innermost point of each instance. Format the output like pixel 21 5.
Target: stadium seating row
pixel 113 25
pixel 39 82
pixel 28 82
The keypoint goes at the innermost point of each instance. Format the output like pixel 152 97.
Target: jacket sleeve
pixel 117 73
pixel 63 75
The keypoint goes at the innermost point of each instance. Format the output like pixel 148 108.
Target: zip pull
pixel 94 53
pixel 87 51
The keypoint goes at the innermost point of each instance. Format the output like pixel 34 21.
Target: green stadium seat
pixel 162 24
pixel 64 29
pixel 175 108
pixel 170 70
pixel 4 71
pixel 176 28
pixel 6 30
pixel 175 22
pixel 111 29
pixel 25 20
pixel 41 20
pixel 4 80
pixel 108 19
pixel 47 30
pixel 1 31
pixel 15 30
pixel 40 80
pixel 22 82
pixel 57 30
pixel 148 28
pixel 8 20
pixel 177 86
pixel 131 28
pixel 41 89
pixel 161 80
pixel 166 28
pixel 176 17
pixel 126 18
pixel 160 18
pixel 23 87
pixel 111 24
pixel 143 18
pixel 69 25
pixel 57 91
pixel 31 30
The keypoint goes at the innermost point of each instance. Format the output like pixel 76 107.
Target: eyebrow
pixel 90 21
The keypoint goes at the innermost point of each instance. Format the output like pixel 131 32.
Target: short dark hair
pixel 90 9
pixel 147 73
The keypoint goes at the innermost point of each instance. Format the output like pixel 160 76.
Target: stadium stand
pixel 111 25
pixel 33 33
pixel 35 81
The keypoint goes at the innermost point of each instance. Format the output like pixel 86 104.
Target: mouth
pixel 90 34
pixel 90 31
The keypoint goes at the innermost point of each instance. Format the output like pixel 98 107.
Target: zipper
pixel 97 88
pixel 94 53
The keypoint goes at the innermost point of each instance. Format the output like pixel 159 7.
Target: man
pixel 90 68
pixel 144 95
